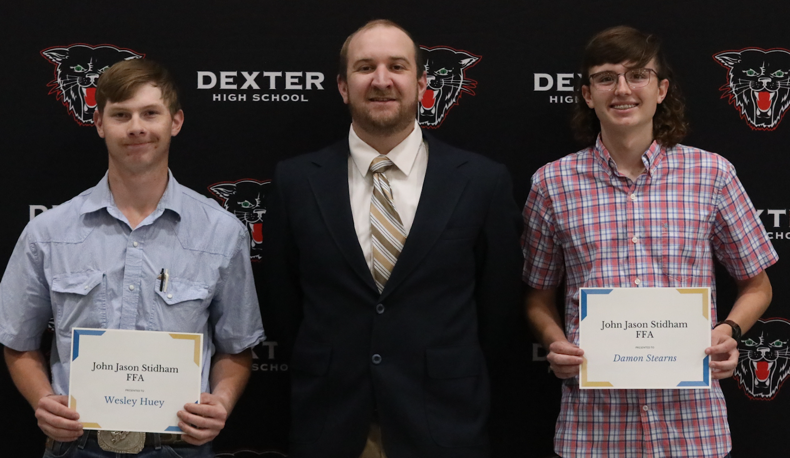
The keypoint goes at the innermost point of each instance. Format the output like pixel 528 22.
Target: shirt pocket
pixel 79 300
pixel 183 305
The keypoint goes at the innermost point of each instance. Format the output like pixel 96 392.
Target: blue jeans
pixel 86 447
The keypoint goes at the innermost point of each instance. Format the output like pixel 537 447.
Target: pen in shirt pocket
pixel 163 277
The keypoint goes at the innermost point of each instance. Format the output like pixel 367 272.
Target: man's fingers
pixel 56 405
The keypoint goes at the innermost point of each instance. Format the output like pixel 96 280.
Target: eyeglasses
pixel 636 77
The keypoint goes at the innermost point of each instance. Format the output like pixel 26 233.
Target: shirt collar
pixel 403 155
pixel 649 157
pixel 101 197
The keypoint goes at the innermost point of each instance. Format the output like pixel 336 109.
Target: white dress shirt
pixel 406 177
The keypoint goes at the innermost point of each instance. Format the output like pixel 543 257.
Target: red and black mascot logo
pixel 77 68
pixel 758 84
pixel 445 69
pixel 764 362
pixel 245 198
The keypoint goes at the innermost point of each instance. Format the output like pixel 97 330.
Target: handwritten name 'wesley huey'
pixel 641 327
pixel 133 402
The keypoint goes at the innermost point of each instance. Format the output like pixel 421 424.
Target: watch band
pixel 736 330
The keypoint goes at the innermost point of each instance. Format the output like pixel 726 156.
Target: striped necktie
pixel 386 229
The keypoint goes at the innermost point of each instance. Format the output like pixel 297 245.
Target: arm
pixel 229 375
pixel 29 372
pixel 544 319
pixel 754 296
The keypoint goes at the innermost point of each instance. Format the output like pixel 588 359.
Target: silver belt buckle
pixel 121 441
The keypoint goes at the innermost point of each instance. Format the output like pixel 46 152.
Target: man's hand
pixel 565 358
pixel 203 422
pixel 57 420
pixel 723 353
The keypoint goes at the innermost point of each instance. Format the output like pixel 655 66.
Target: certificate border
pixel 75 352
pixel 705 382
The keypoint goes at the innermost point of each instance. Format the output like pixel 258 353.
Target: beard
pixel 384 123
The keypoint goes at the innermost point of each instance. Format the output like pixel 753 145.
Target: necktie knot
pixel 381 164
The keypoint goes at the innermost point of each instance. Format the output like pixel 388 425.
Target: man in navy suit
pixel 393 266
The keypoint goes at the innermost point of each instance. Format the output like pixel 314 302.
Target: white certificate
pixel 133 380
pixel 644 338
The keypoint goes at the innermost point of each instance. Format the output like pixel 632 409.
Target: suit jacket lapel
pixel 441 191
pixel 330 187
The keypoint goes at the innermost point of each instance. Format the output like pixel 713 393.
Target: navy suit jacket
pixel 412 356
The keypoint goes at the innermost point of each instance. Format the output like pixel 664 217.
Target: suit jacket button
pixel 376 359
pixel 380 309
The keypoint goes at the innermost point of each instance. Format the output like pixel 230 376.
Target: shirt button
pixel 380 309
pixel 635 239
pixel 638 281
pixel 135 244
pixel 131 287
pixel 376 359
pixel 645 408
pixel 632 197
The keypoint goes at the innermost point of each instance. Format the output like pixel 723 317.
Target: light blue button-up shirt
pixel 82 264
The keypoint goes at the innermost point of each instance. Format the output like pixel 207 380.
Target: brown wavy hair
pixel 627 44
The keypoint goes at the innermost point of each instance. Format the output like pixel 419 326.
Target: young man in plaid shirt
pixel 637 209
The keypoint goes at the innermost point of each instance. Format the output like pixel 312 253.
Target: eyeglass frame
pixel 590 78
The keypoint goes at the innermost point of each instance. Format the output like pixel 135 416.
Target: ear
pixel 587 96
pixel 729 59
pixel 422 85
pixel 97 121
pixel 342 87
pixel 663 88
pixel 177 122
pixel 223 190
pixel 56 55
pixel 468 61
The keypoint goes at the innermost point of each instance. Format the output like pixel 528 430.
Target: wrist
pixel 735 329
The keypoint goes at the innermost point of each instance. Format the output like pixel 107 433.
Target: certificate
pixel 133 380
pixel 644 338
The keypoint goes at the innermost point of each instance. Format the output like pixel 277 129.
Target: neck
pixel 626 149
pixel 137 195
pixel 382 143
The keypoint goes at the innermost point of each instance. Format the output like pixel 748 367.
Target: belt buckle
pixel 121 441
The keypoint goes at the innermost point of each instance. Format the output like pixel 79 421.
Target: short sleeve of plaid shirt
pixel 544 267
pixel 739 240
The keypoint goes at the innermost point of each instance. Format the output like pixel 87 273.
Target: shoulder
pixel 579 162
pixel 690 159
pixel 209 226
pixel 308 161
pixel 467 162
pixel 61 223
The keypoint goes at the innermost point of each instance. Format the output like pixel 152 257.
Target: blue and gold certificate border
pixel 705 382
pixel 75 353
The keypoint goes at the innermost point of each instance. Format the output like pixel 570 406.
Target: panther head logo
pixel 245 199
pixel 77 67
pixel 758 84
pixel 764 361
pixel 445 69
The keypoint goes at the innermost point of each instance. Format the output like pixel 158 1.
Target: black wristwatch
pixel 736 330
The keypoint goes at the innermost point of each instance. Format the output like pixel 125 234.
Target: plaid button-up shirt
pixel 589 224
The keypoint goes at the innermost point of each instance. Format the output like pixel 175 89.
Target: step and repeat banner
pixel 258 81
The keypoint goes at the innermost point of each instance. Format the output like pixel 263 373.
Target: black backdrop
pixel 512 115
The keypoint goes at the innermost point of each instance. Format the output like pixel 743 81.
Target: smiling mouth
pixel 624 106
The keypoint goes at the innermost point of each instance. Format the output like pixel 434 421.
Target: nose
pixel 136 126
pixel 622 86
pixel 381 77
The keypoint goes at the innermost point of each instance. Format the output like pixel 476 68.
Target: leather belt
pixel 150 440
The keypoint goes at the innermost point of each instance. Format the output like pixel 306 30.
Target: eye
pixel 749 342
pixel 101 70
pixel 246 204
pixel 442 72
pixel 750 72
pixel 776 343
pixel 778 74
pixel 605 78
pixel 78 68
pixel 639 74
